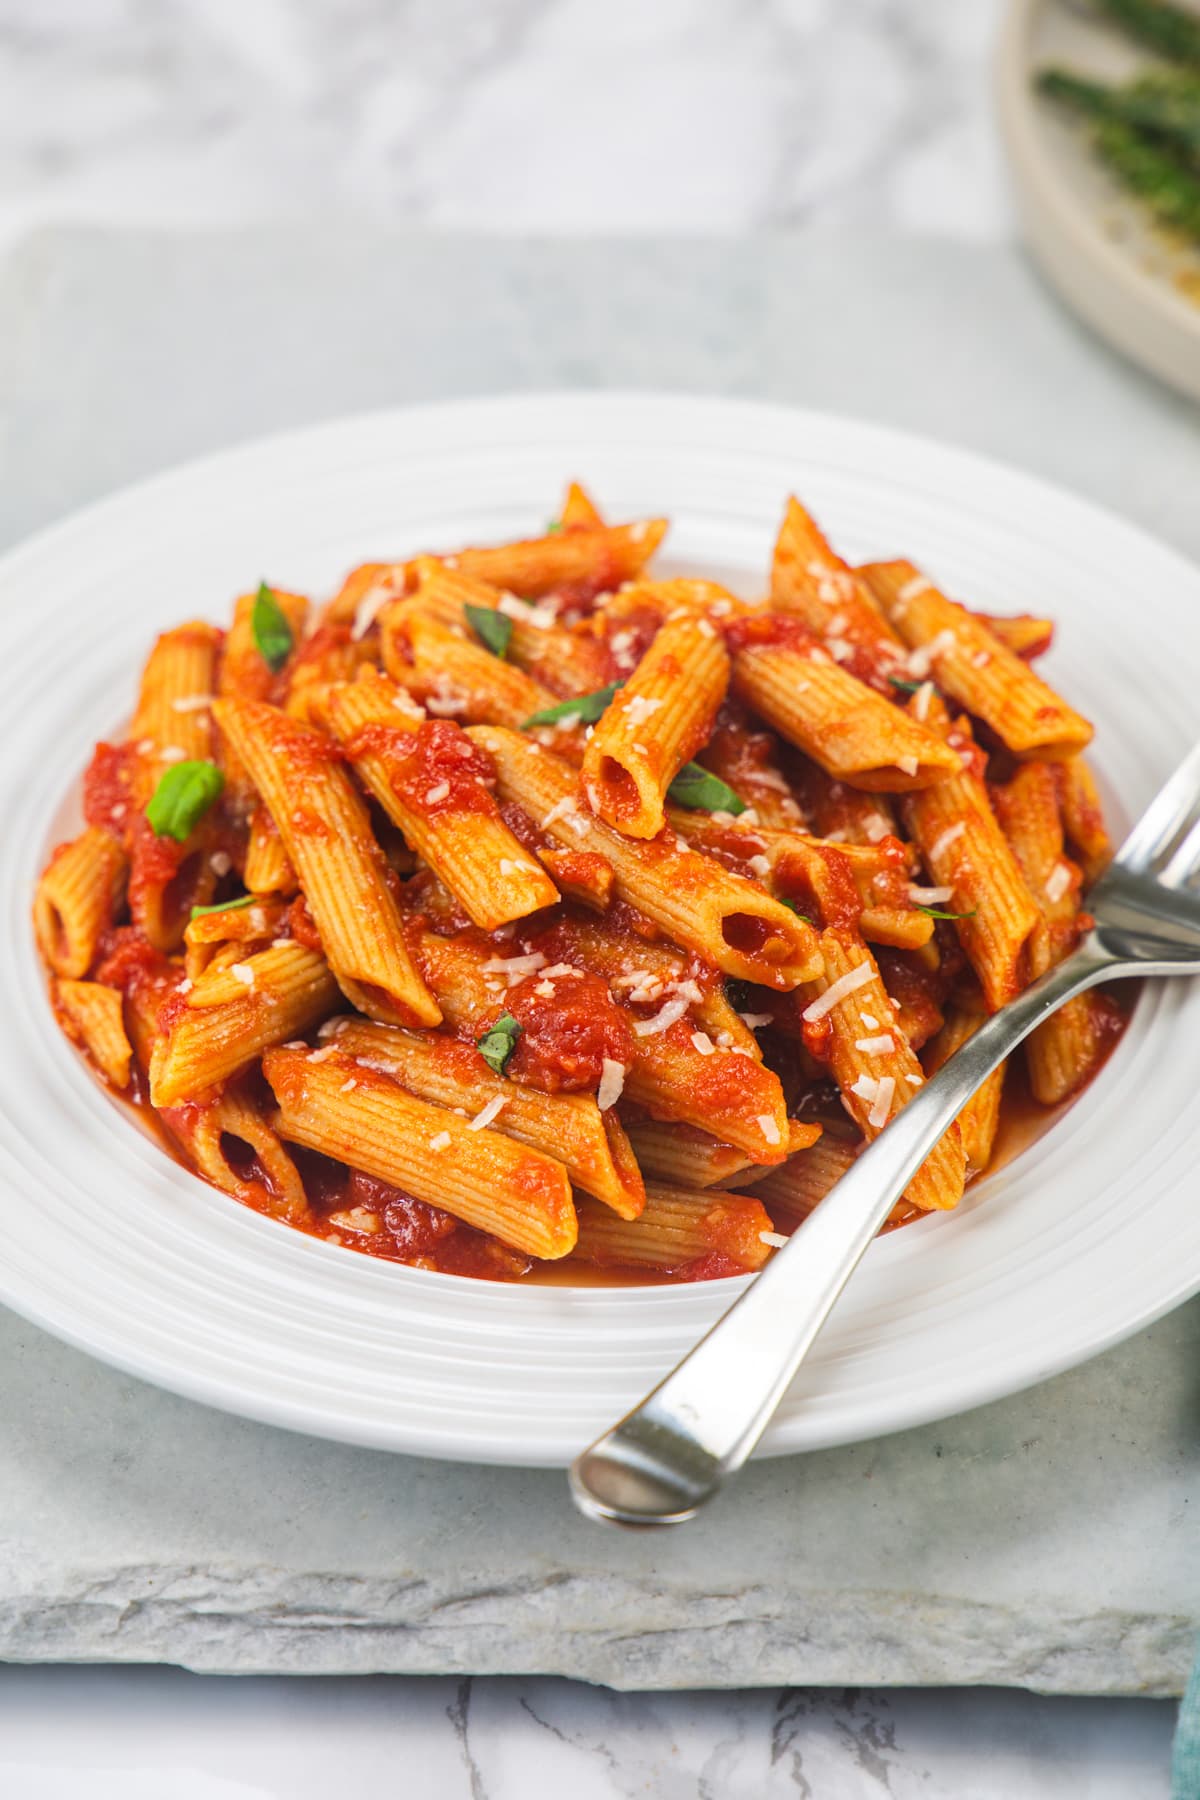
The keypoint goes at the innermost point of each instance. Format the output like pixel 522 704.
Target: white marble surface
pixel 153 1734
pixel 563 117
pixel 501 115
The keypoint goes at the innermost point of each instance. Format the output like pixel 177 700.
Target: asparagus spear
pixel 1170 31
pixel 1167 106
pixel 1170 189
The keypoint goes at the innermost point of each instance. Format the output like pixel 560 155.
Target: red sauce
pixel 565 1037
pixel 108 798
pixel 434 770
pixel 302 926
pixel 757 631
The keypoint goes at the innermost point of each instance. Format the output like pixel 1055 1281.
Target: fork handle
pixel 669 1455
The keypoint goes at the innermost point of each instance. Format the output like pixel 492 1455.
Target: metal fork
pixel 670 1455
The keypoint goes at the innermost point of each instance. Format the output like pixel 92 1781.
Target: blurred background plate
pixel 1093 241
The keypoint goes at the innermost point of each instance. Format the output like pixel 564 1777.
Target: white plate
pixel 1095 242
pixel 1091 1233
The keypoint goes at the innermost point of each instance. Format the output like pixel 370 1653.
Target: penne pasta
pixel 810 580
pixel 678 1228
pixel 362 1117
pixel 433 782
pixel 979 1119
pixel 781 670
pixel 732 922
pixel 77 899
pixel 971 664
pixel 591 1144
pixel 653 725
pixel 232 1015
pixel 327 834
pixel 95 1018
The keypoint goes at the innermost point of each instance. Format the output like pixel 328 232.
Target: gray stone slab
pixel 1044 1541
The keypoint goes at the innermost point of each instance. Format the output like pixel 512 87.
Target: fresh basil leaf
pixel 495 628
pixel 198 912
pixel 272 633
pixel 699 791
pixel 587 707
pixel 184 794
pixel 792 907
pixel 554 527
pixel 498 1044
pixel 935 912
pixel 906 686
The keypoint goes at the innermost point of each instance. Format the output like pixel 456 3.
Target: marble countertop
pixel 557 117
pixel 512 115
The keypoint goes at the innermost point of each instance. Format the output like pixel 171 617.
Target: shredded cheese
pixel 640 707
pixel 907 765
pixel 950 836
pixel 869 1020
pixel 189 703
pixel 703 1043
pixel 612 1080
pixel 752 1021
pixel 562 809
pixel 881 1109
pixel 774 1240
pixel 916 584
pixel 369 609
pixel 837 990
pixel 664 1018
pixel 242 972
pixel 1057 883
pixel 882 1045
pixel 220 862
pixel 485 1116
pixel 930 896
pixel 921 699
pixel 348 1086
pixel 770 1130
pixel 441 1141
pixel 434 794
pixel 515 968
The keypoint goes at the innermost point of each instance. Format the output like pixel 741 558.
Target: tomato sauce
pixel 565 1035
pixel 435 770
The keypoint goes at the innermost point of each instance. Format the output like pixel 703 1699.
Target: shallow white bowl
pixel 1093 242
pixel 1089 1234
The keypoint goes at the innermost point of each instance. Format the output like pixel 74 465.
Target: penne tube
pixel 448 670
pixel 849 730
pixel 810 580
pixel 1083 817
pixel 244 928
pixel 1063 1051
pixel 358 1116
pixel 173 721
pixel 873 1063
pixel 333 653
pixel 965 851
pixel 245 673
pixel 653 726
pixel 578 508
pixel 677 1228
pixel 594 559
pixel 842 814
pixel 267 869
pixel 432 782
pixel 979 1119
pixel 683 1156
pixel 234 1147
pixel 729 921
pixel 229 1018
pixel 563 660
pixel 591 1144
pixel 94 1016
pixel 1021 633
pixel 77 899
pixel 750 761
pixel 970 663
pixel 793 1189
pixel 326 832
pixel 365 593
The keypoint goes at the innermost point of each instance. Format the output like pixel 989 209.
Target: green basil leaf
pixel 698 791
pixel 792 907
pixel 184 794
pixel 495 628
pixel 586 707
pixel 198 912
pixel 554 527
pixel 905 686
pixel 272 633
pixel 498 1044
pixel 935 912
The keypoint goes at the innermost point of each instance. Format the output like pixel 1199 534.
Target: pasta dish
pixel 523 910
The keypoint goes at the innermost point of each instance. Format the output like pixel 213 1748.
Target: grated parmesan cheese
pixel 242 972
pixel 369 609
pixel 172 754
pixel 189 703
pixel 441 1141
pixel 508 866
pixel 907 765
pixel 837 990
pixel 562 809
pixel 220 862
pixel 485 1116
pixel 916 584
pixel 913 1080
pixel 930 896
pixel 664 1018
pixel 440 792
pixel 981 659
pixel 545 990
pixel 774 1240
pixel 761 866
pixel 703 1043
pixel 950 836
pixel 705 629
pixel 882 1045
pixel 882 1106
pixel 348 1086
pixel 1057 883
pixel 869 1020
pixel 612 1080
pixel 921 699
pixel 515 968
pixel 769 1128
pixel 639 707
pixel 562 969
pixel 753 1021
